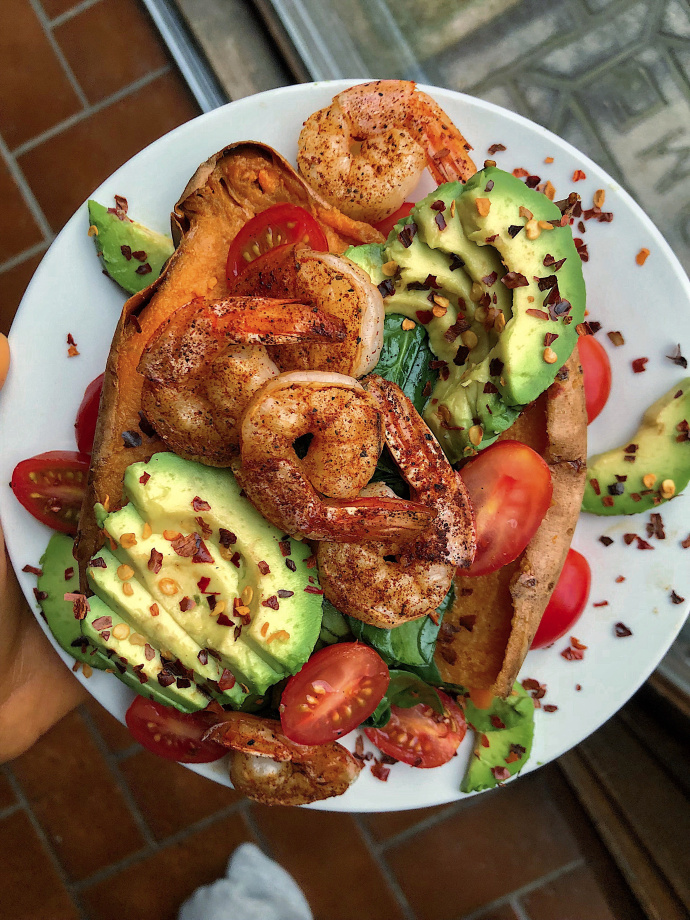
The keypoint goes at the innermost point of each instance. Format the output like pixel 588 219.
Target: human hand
pixel 36 688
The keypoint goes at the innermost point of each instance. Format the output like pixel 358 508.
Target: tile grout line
pixel 25 806
pixel 424 824
pixel 171 841
pixel 377 854
pixel 27 193
pixel 57 51
pixel 24 256
pixel 120 781
pixel 512 899
pixel 94 109
pixel 70 14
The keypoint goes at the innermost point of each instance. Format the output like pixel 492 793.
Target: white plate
pixel 648 304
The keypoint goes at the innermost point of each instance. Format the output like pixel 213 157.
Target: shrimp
pixel 366 151
pixel 269 768
pixel 334 285
pixel 316 496
pixel 199 380
pixel 386 583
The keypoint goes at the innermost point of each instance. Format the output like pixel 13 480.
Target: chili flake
pixel 638 365
pixel 622 631
pixel 642 256
pixel 676 598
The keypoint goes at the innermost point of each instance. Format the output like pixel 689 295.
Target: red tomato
pixel 419 736
pixel 87 415
pixel 387 224
pixel 596 369
pixel 276 226
pixel 510 490
pixel 337 689
pixel 172 734
pixel 51 487
pixel 567 601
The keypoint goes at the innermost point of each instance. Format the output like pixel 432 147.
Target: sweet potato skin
pixel 223 194
pixel 489 629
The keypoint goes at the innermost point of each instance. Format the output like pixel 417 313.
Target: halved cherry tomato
pixel 51 487
pixel 596 369
pixel 387 224
pixel 172 734
pixel 278 225
pixel 337 689
pixel 567 601
pixel 87 415
pixel 510 490
pixel 419 736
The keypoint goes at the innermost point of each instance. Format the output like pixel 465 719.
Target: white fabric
pixel 254 888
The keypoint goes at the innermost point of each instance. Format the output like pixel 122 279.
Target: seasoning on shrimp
pixel 395 130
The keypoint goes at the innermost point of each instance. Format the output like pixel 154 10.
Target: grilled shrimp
pixel 316 496
pixel 334 285
pixel 385 583
pixel 366 151
pixel 204 362
pixel 269 768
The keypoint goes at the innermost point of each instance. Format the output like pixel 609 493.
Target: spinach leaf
pixel 404 690
pixel 405 359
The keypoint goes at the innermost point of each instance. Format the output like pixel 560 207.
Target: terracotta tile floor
pixel 91 826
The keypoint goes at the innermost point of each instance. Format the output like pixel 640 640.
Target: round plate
pixel 648 304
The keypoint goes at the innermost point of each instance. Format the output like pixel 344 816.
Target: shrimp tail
pixel 290 502
pixel 451 536
pixel 199 330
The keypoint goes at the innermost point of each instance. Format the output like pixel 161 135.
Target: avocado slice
pixel 649 469
pixel 236 559
pixel 132 255
pixel 59 576
pixel 503 741
pixel 137 663
pixel 486 269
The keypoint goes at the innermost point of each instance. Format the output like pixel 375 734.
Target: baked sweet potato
pixel 225 192
pixel 489 629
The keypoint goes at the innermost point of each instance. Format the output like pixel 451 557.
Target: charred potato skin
pixel 224 193
pixel 490 627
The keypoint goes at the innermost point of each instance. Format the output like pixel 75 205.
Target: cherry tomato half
pixel 567 601
pixel 386 225
pixel 337 689
pixel 51 487
pixel 87 415
pixel 172 734
pixel 420 736
pixel 596 369
pixel 510 490
pixel 278 225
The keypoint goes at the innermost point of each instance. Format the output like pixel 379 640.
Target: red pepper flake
pixel 101 623
pixel 80 605
pixel 227 538
pixel 284 546
pixel 72 350
pixel 514 280
pixel 271 602
pixel 291 564
pixel 69 573
pixel 203 584
pixel 678 358
pixel 601 604
pixel 187 603
pixel 155 562
pixel 616 338
pixel 607 541
pixel 655 526
pixel 496 148
pixel 579 175
pixel 380 771
pixel 149 652
pixel 550 338
pixel 144 478
pixel 578 687
pixel 424 316
pixel 573 654
pixel 576 643
pixel 520 173
pixel 205 528
pixel 407 234
pixel 139 255
pixel 227 680
pixel 440 221
pixel 235 559
pixel 126 252
pixel 203 656
pixel 512 757
pixel 33 570
pixel 144 269
pixel 263 567
pixel 595 486
pixel 165 678
pixel 538 314
pixel 629 537
pixel 312 590
pixel 676 598
pixel 607 501
pixel 642 544
pixel 638 365
pixel 686 542
pixel 620 579
pixel 622 631
pixel 198 504
pixel 285 593
pixel 224 620
pixel 500 773
pixel 490 280
pixel 497 722
pixel 642 256
pixel 549 707
pixel 310 562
